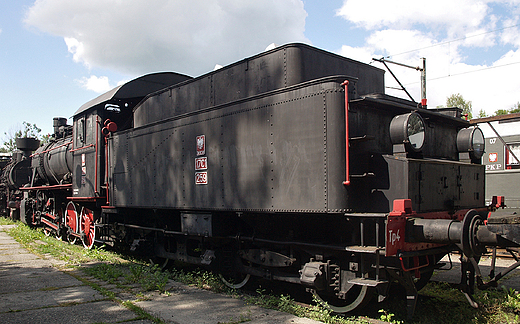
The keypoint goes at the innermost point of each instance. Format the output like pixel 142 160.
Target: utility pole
pixel 423 83
pixel 417 68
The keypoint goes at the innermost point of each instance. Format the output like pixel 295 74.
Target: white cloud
pixel 511 33
pixel 362 54
pixel 453 15
pixel 449 33
pixel 123 82
pixel 96 84
pixel 75 47
pixel 138 37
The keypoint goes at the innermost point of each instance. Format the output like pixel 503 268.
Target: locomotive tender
pixel 290 165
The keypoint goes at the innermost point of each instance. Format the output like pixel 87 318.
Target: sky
pixel 56 55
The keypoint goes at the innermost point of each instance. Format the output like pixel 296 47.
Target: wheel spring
pixel 334 278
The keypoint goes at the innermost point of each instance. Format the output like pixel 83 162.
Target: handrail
pixel 82 148
pixel 52 149
pixel 347 160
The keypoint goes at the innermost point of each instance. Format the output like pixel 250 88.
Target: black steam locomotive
pixel 290 165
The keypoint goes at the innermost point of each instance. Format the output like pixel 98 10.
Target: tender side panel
pixel 267 154
pixel 298 151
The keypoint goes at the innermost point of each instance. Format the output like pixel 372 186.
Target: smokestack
pixel 27 145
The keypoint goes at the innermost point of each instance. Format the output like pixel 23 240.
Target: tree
pixel 482 113
pixel 512 110
pixel 515 109
pixel 501 112
pixel 456 100
pixel 28 130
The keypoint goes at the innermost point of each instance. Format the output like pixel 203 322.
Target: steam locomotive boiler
pixel 290 165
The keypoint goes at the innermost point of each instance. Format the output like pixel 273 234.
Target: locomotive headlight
pixel 408 129
pixel 471 140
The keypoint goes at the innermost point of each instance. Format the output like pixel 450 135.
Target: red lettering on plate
pixel 201 178
pixel 201 163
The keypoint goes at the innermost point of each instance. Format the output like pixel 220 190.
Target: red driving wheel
pixel 71 221
pixel 88 227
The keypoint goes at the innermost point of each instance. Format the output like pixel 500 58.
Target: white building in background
pixel 502 135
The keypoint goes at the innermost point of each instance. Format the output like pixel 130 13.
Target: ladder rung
pixel 365 249
pixel 367 282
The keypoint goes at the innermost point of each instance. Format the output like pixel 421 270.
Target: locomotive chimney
pixel 57 123
pixel 27 145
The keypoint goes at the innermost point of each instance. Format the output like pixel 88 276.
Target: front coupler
pixel 469 231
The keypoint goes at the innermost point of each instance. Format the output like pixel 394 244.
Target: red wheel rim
pixel 71 217
pixel 88 227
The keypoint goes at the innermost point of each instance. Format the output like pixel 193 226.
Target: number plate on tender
pixel 201 178
pixel 201 163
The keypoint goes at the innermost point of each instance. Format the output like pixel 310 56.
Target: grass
pixel 438 302
pixel 201 279
pixel 147 277
pixel 286 304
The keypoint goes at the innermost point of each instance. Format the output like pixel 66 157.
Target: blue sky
pixel 57 54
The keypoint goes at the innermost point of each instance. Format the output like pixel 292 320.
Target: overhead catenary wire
pixel 449 75
pixel 458 40
pixel 466 72
pixel 453 40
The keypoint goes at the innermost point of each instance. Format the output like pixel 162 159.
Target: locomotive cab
pixel 97 118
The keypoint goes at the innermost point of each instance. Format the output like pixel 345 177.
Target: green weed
pixel 106 272
pixel 388 317
pixel 148 277
pixel 202 279
pixel 6 221
pixel 35 241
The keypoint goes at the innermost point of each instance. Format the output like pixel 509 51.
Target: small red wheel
pixel 88 227
pixel 71 221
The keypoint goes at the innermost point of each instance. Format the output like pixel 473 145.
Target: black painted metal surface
pixel 279 68
pixel 268 153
